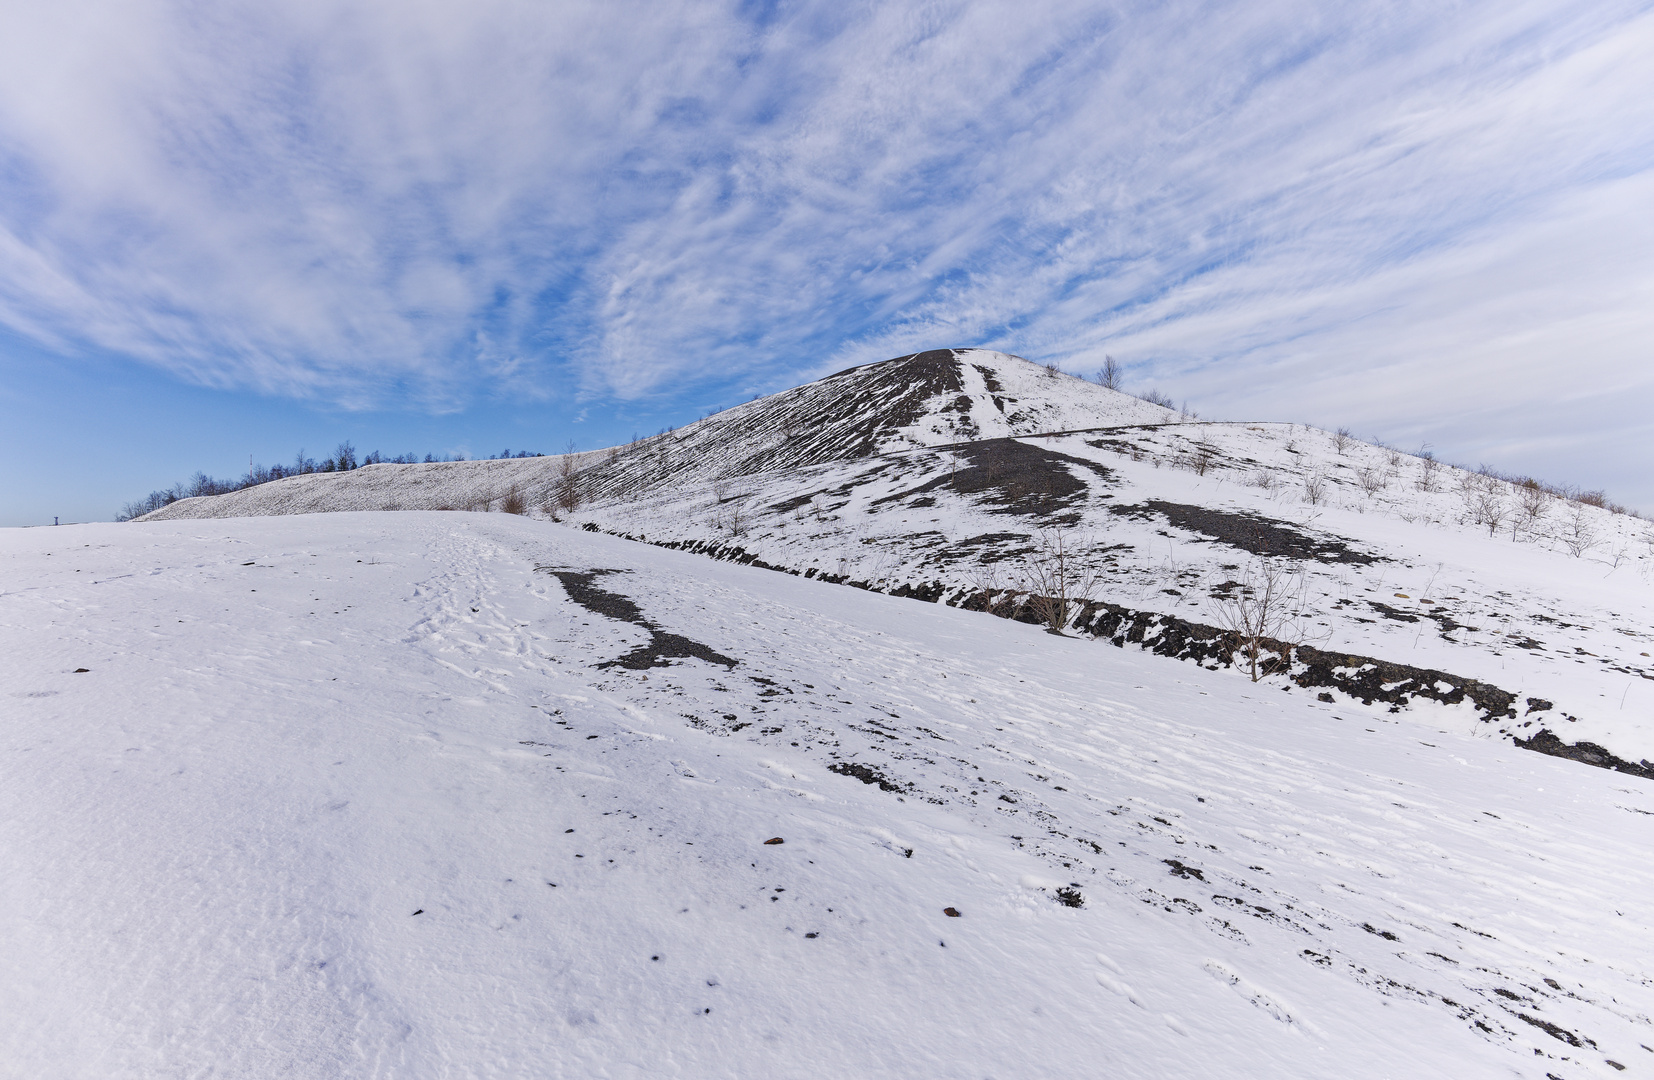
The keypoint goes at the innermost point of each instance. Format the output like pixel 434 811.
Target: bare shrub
pixel 1202 457
pixel 1315 488
pixel 1155 397
pixel 1429 472
pixel 1265 480
pixel 1533 503
pixel 989 589
pixel 1341 440
pixel 514 502
pixel 1372 481
pixel 1484 501
pixel 1263 612
pixel 1057 578
pixel 1579 531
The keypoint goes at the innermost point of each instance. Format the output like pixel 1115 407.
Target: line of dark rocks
pixel 1365 678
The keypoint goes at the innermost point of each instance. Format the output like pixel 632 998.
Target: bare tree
pixel 1263 612
pixel 1315 488
pixel 1108 376
pixel 1057 577
pixel 1372 481
pixel 1341 440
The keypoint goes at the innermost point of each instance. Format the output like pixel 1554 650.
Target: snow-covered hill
pixel 952 475
pixel 459 794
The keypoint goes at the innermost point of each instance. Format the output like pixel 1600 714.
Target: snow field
pixel 217 836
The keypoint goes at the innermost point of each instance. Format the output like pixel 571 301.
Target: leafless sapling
pixel 568 478
pixel 1263 613
pixel 1058 578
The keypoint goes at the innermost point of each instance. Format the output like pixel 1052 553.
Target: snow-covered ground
pixel 1399 574
pixel 368 794
pixel 943 472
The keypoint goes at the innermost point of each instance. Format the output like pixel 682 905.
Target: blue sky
pixel 238 229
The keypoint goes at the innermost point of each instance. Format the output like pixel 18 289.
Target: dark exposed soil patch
pixel 1249 532
pixel 844 417
pixel 661 647
pixel 578 584
pixel 1013 477
pixel 989 379
pixel 893 397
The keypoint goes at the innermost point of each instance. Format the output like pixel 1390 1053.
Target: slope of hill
pixel 430 794
pixel 965 476
pixel 933 398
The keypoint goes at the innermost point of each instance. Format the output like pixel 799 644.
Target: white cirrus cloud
pixel 1380 210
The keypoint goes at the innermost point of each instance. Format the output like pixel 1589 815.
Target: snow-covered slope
pixel 459 794
pixel 947 475
pixel 939 397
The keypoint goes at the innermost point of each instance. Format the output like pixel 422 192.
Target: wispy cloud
pixel 1264 201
